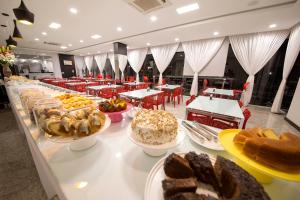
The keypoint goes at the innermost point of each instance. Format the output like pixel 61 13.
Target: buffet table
pixel 114 168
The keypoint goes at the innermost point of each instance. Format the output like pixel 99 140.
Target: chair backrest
pixel 164 82
pixel 190 100
pixel 176 91
pixel 99 76
pixel 241 104
pixel 247 115
pixel 107 91
pixel 145 79
pixel 205 83
pixel 108 76
pixel 131 79
pixel 120 89
pixel 147 102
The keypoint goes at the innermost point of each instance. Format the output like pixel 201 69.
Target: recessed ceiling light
pixel 35 61
pixel 54 25
pixel 81 41
pixel 128 47
pixel 73 10
pixel 98 51
pixel 96 36
pixel 272 25
pixel 44 33
pixel 63 47
pixel 88 53
pixel 110 50
pixel 153 18
pixel 69 45
pixel 148 44
pixel 216 33
pixel 36 39
pixel 187 8
pixel 119 29
pixel 176 39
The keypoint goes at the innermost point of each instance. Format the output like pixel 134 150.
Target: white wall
pixel 294 110
pixel 216 67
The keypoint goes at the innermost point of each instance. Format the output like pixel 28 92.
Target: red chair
pixel 164 82
pixel 99 76
pixel 160 100
pixel 119 90
pixel 145 79
pixel 108 76
pixel 246 85
pixel 247 115
pixel 106 93
pixel 224 124
pixel 237 94
pixel 131 79
pixel 241 104
pixel 147 103
pixel 190 100
pixel 202 119
pixel 176 93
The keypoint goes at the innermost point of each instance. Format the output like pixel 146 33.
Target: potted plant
pixel 7 58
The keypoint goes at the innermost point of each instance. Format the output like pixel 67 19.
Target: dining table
pixel 222 92
pixel 97 88
pixel 217 107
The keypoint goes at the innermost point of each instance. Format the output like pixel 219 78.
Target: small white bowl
pixel 158 150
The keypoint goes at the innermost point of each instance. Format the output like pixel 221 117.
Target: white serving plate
pixel 153 186
pixel 213 144
pixel 158 150
pixel 83 142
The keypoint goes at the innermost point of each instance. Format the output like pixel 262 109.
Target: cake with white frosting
pixel 154 127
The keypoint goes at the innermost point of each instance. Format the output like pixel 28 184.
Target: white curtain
pixel 89 62
pixel 198 54
pixel 100 60
pixel 253 51
pixel 111 57
pixel 79 65
pixel 136 59
pixel 122 64
pixel 162 56
pixel 292 51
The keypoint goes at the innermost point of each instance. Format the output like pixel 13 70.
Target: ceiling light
pixel 187 8
pixel 54 25
pixel 63 47
pixel 73 10
pixel 81 41
pixel 176 39
pixel 96 36
pixel 153 18
pixel 69 45
pixel 23 15
pixel 110 50
pixel 35 61
pixel 36 39
pixel 11 42
pixel 88 53
pixel 17 33
pixel 119 29
pixel 44 33
pixel 23 60
pixel 272 25
pixel 148 44
pixel 98 51
pixel 128 47
pixel 216 33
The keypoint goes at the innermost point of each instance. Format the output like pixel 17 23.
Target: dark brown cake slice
pixel 236 183
pixel 203 168
pixel 174 186
pixel 191 196
pixel 177 167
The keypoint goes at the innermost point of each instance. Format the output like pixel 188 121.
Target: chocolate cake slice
pixel 236 183
pixel 174 186
pixel 177 167
pixel 203 168
pixel 191 196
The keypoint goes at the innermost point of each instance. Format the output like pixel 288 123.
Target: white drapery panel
pixel 122 64
pixel 136 59
pixel 100 60
pixel 292 51
pixel 253 51
pixel 111 57
pixel 89 62
pixel 162 56
pixel 79 65
pixel 198 54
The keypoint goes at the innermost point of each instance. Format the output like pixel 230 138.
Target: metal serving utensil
pixel 196 131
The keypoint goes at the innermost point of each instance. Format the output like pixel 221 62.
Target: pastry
pixel 191 196
pixel 203 168
pixel 281 153
pixel 174 186
pixel 154 127
pixel 237 184
pixel 177 167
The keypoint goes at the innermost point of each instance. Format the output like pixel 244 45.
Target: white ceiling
pixel 101 17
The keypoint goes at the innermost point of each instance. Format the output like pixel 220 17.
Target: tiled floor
pixel 19 179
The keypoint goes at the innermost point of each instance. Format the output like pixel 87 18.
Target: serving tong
pixel 204 133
